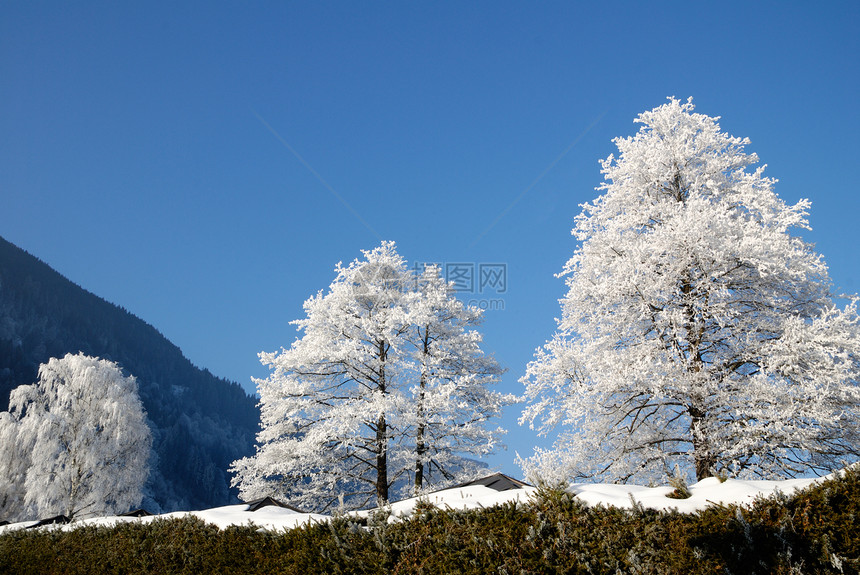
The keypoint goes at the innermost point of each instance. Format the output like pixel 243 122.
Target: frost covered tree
pixel 327 407
pixel 90 442
pixel 343 417
pixel 452 397
pixel 14 461
pixel 696 329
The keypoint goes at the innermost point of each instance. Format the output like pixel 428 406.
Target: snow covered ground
pixel 704 493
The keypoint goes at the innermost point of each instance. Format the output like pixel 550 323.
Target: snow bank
pixel 272 518
pixel 14 526
pixel 467 497
pixel 703 494
pixel 707 492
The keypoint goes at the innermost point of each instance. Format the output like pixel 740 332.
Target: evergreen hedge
pixel 813 531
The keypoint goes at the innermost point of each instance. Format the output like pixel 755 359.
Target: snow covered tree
pixel 327 407
pixel 452 399
pixel 14 462
pixel 696 330
pixel 346 415
pixel 90 442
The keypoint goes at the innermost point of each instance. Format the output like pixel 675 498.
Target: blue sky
pixel 193 162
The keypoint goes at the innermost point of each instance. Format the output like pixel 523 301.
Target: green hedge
pixel 815 531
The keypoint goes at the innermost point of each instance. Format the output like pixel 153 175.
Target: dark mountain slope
pixel 200 423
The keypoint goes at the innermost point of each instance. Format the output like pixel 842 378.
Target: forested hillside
pixel 200 423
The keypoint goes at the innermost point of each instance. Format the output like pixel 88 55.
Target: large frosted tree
pixel 88 444
pixel 696 330
pixel 349 412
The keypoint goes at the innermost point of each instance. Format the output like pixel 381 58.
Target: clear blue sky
pixel 193 162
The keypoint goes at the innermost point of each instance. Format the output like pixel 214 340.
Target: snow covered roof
pixel 56 520
pixel 136 513
pixel 258 504
pixel 497 481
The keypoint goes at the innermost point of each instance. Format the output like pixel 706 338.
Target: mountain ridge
pixel 200 422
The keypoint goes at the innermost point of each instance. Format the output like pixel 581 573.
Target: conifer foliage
pixel 387 388
pixel 696 329
pixel 76 442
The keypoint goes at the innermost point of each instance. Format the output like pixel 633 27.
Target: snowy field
pixel 704 493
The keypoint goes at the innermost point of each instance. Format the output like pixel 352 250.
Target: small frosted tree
pixel 452 397
pixel 387 378
pixel 328 408
pixel 696 330
pixel 90 442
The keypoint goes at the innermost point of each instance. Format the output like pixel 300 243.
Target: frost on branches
pixel 696 329
pixel 452 400
pixel 380 393
pixel 80 444
pixel 14 461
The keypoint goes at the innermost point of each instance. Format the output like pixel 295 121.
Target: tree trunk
pixel 381 439
pixel 381 462
pixel 703 460
pixel 420 446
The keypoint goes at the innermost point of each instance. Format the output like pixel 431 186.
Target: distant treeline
pixel 200 423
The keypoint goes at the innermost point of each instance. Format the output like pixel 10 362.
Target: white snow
pixel 469 497
pixel 19 525
pixel 704 493
pixel 272 518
